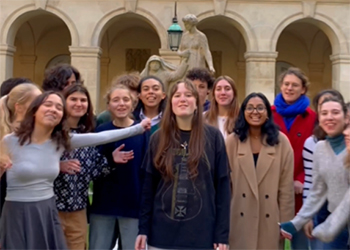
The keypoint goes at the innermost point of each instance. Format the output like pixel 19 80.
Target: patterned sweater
pixel 72 190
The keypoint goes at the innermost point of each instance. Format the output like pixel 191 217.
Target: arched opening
pixel 305 45
pixel 41 41
pixel 127 44
pixel 227 46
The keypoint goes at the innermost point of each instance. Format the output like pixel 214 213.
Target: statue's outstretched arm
pixel 179 72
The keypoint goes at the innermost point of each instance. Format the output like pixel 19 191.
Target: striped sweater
pixel 308 151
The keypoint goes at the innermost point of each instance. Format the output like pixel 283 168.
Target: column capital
pixel 260 56
pixel 7 50
pixel 316 67
pixel 85 51
pixel 340 58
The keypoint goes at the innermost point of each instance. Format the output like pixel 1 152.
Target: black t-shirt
pixel 187 213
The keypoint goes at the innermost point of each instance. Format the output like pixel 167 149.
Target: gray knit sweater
pixel 330 182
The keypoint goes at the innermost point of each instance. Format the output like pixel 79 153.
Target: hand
pixel 140 243
pixel 298 187
pixel 5 162
pixel 287 230
pixel 185 53
pixel 122 156
pixel 308 227
pixel 146 124
pixel 220 246
pixel 211 69
pixel 70 166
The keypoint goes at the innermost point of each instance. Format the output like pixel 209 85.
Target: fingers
pixel 140 242
pixel 120 147
pixel 70 166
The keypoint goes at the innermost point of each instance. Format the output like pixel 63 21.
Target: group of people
pixel 191 168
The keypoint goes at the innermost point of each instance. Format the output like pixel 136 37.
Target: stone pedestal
pixel 341 74
pixel 170 56
pixel 87 61
pixel 260 73
pixel 6 61
pixel 28 66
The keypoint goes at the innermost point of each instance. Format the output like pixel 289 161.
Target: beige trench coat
pixel 262 196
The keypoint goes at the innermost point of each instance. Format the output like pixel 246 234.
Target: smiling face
pixel 255 112
pixel 120 104
pixel 223 93
pixel 332 118
pixel 50 112
pixel 151 93
pixel 292 88
pixel 183 102
pixel 77 104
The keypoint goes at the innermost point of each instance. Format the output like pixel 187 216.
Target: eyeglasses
pixel 258 109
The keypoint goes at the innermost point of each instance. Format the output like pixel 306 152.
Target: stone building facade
pixel 251 40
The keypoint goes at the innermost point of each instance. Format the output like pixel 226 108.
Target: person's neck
pixel 222 111
pixel 193 30
pixel 255 132
pixel 73 121
pixel 184 123
pixel 15 124
pixel 40 134
pixel 150 112
pixel 123 122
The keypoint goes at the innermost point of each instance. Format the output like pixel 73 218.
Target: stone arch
pixel 240 24
pixel 15 20
pixel 103 24
pixel 331 29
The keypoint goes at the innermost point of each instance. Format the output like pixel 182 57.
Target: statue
pixel 166 72
pixel 194 45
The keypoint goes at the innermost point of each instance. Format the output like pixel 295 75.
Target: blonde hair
pixel 20 94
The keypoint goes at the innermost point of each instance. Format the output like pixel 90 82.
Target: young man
pixel 203 80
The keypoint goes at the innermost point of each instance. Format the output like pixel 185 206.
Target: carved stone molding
pixel 309 8
pixel 220 7
pixel 41 4
pixel 130 5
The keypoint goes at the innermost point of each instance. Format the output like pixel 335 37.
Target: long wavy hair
pixel 211 115
pixel 169 136
pixel 20 94
pixel 318 131
pixel 86 123
pixel 56 77
pixel 59 134
pixel 268 129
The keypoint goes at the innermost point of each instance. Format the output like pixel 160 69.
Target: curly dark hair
pixel 86 123
pixel 56 78
pixel 201 74
pixel 269 128
pixel 60 133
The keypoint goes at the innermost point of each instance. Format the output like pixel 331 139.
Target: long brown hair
pixel 60 133
pixel 211 115
pixel 169 137
pixel 86 122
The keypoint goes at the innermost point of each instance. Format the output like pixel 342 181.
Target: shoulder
pixel 283 141
pixel 211 131
pixel 321 147
pixel 310 141
pixel 10 138
pixel 104 126
pixel 310 114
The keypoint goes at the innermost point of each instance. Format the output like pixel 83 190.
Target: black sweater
pixel 185 213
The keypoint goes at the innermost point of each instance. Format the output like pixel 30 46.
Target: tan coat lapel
pixel 246 163
pixel 266 157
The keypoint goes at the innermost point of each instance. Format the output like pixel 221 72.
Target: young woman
pixel 296 120
pixel 71 190
pixel 261 161
pixel 330 178
pixel 308 150
pixel 152 99
pixel 224 105
pixel 13 106
pixel 186 193
pixel 116 197
pixel 30 219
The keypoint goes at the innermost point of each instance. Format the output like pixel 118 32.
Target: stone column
pixel 28 66
pixel 260 73
pixel 341 74
pixel 105 82
pixel 170 56
pixel 87 61
pixel 316 78
pixel 6 61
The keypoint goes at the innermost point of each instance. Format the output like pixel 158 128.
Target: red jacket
pixel 301 129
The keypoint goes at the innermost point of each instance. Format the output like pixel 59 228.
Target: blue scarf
pixel 290 111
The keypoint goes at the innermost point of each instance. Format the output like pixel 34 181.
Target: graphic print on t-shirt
pixel 182 200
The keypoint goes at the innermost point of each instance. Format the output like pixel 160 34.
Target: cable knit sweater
pixel 330 181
